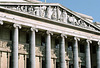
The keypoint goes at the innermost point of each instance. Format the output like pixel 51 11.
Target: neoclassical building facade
pixel 47 35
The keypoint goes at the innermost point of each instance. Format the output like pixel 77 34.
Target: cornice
pixel 50 20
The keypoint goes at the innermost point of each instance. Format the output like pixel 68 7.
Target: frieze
pixel 52 12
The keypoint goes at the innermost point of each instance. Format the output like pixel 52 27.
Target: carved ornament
pixel 76 38
pixel 49 32
pixel 1 22
pixel 52 12
pixel 17 25
pixel 34 29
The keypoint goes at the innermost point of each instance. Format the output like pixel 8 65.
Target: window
pixel 71 66
pixel 95 67
pixel 83 66
pixel 10 35
pixel 43 43
pixel 82 48
pixel 94 49
pixel 27 63
pixel 27 37
pixel 57 65
pixel 43 64
pixel 56 43
pixel 10 66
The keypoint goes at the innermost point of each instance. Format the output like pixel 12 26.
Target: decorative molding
pixel 53 12
pixel 88 41
pixel 1 22
pixel 76 38
pixel 63 35
pixel 17 25
pixel 99 42
pixel 34 29
pixel 49 32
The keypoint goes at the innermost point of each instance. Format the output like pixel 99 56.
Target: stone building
pixel 46 35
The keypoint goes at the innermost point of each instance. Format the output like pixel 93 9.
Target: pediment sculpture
pixel 55 13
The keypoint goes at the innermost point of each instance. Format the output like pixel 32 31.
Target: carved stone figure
pixel 23 8
pixel 18 8
pixel 78 22
pixel 64 16
pixel 49 12
pixel 42 11
pixel 72 20
pixel 36 11
pixel 54 14
pixel 30 10
pixel 59 14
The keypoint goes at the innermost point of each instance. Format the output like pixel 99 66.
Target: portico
pixel 41 33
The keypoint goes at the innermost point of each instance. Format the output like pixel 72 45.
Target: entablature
pixel 51 12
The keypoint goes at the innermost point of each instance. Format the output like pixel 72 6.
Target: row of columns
pixel 48 50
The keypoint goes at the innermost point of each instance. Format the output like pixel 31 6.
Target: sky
pixel 88 7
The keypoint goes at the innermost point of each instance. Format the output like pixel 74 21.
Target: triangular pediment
pixel 55 12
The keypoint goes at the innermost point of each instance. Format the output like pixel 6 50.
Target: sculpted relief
pixel 55 13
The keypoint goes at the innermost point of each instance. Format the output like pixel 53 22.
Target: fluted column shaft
pixel 32 48
pixel 98 55
pixel 48 50
pixel 87 54
pixel 62 52
pixel 75 52
pixel 15 46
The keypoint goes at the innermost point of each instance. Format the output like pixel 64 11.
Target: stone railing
pixel 23 47
pixel 52 12
pixel 5 44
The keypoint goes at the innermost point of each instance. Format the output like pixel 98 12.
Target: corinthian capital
pixel 34 29
pixel 49 32
pixel 76 38
pixel 17 25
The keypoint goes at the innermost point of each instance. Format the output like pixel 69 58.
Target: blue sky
pixel 88 7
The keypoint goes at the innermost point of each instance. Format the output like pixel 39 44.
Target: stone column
pixel 87 54
pixel 75 53
pixel 62 51
pixel 48 49
pixel 15 46
pixel 32 48
pixel 98 55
